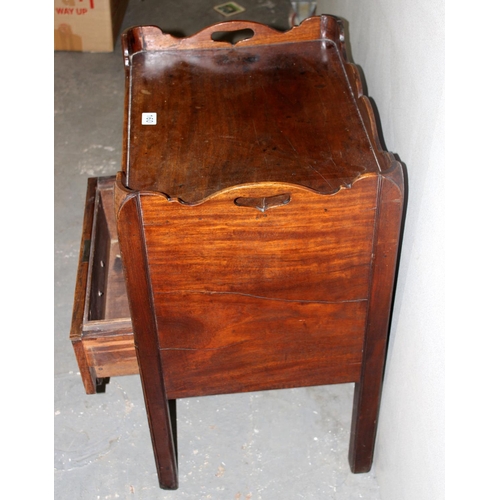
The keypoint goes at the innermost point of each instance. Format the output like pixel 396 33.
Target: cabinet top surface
pixel 211 115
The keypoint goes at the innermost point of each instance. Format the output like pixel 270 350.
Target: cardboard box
pixel 87 25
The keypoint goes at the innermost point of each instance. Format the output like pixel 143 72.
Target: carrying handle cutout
pixel 233 36
pixel 263 203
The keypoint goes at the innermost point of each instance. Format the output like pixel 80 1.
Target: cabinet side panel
pixel 240 292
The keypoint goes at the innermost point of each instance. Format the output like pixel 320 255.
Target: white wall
pixel 400 46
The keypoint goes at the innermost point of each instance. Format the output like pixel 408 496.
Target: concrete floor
pixel 289 444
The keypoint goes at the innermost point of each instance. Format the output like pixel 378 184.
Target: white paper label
pixel 149 118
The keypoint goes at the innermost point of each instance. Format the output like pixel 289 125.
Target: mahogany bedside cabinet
pixel 258 221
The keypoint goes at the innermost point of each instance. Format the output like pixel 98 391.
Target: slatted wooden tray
pixel 101 329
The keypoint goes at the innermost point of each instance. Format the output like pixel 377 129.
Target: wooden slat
pixel 151 38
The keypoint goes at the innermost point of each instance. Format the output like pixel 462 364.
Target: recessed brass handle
pixel 263 203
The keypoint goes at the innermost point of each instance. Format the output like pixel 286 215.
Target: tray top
pixel 278 107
